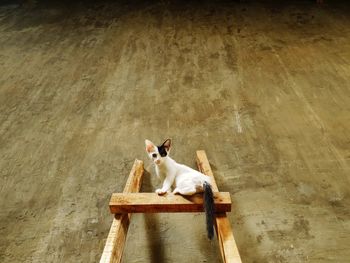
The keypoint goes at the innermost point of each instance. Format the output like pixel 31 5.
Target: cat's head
pixel 158 153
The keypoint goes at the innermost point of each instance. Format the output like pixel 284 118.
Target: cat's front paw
pixel 160 191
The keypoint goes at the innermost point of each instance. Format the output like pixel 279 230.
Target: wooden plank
pixel 115 242
pixel 227 243
pixel 169 203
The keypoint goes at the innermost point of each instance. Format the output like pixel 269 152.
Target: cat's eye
pixel 154 155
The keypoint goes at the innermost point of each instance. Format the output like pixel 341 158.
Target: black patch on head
pixel 162 151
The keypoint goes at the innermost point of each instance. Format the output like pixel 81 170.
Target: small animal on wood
pixel 183 179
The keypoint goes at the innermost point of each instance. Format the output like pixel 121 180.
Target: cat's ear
pixel 167 145
pixel 150 147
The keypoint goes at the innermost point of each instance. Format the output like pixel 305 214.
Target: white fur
pixel 185 180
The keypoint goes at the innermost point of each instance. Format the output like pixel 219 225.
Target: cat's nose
pixel 157 161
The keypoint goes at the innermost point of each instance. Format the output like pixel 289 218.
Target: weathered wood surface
pixel 169 203
pixel 115 242
pixel 227 243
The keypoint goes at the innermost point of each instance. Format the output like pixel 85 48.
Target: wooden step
pixel 168 203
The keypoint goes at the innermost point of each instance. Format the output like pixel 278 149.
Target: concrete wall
pixel 262 87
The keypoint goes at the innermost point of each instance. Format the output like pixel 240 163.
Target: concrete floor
pixel 263 88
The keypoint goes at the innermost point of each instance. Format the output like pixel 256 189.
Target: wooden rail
pixel 227 243
pixel 169 203
pixel 115 242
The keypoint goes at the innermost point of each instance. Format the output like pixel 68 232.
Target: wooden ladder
pixel 130 201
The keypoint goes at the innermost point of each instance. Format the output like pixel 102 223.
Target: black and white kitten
pixel 185 180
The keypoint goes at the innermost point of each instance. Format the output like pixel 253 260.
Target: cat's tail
pixel 209 209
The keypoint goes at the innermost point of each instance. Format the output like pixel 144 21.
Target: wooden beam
pixel 169 203
pixel 115 242
pixel 227 243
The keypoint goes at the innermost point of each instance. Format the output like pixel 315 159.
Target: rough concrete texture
pixel 262 87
